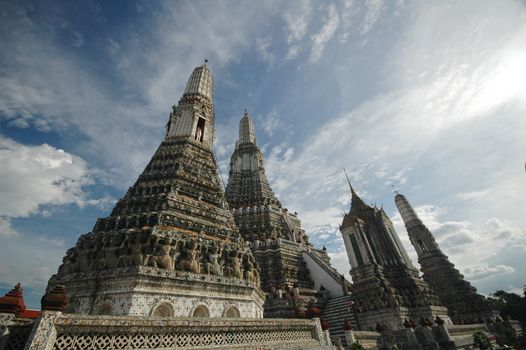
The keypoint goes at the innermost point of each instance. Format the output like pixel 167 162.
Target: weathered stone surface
pixel 386 288
pixel 457 294
pixel 57 331
pixel 258 213
pixel 14 331
pixel 172 222
pixel 277 241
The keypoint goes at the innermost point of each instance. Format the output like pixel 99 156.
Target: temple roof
pixel 201 82
pixel 358 206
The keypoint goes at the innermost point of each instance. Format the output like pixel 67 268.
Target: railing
pixel 64 331
pixel 14 331
pixel 369 340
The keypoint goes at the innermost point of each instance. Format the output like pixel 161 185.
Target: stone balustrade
pixel 55 330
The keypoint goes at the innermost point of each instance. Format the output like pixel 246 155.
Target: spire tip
pixel 349 182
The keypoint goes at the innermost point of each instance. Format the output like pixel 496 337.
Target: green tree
pixel 510 305
pixel 480 340
pixel 356 346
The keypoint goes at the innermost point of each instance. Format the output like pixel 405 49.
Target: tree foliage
pixel 356 346
pixel 510 305
pixel 480 341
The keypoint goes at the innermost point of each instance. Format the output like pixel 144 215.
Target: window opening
pixel 200 130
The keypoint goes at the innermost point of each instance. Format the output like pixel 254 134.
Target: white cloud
pixel 340 261
pixel 472 248
pixel 270 122
pixel 262 45
pixel 112 46
pixel 484 271
pixel 120 127
pixel 30 260
pixel 297 21
pixel 320 39
pixel 372 14
pixel 77 39
pixel 347 13
pixel 6 230
pixel 37 179
pixel 473 195
pixel 35 176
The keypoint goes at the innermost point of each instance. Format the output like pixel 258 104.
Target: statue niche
pixel 192 254
pixel 109 252
pixel 164 257
pixel 235 265
pixel 134 248
pixel 213 267
pixel 251 273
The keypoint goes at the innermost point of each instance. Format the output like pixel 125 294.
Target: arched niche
pixel 231 312
pixel 164 310
pixel 201 311
pixel 104 309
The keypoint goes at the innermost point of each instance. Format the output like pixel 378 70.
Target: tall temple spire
pixel 193 117
pixel 423 241
pixel 173 220
pixel 376 253
pixel 457 294
pixel 357 204
pixel 247 182
pixel 274 233
pixel 246 130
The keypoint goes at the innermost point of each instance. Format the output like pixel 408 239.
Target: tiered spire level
pixel 276 236
pixel 182 174
pixel 248 191
pixel 201 82
pixel 248 186
pixel 247 133
pixel 457 294
pixel 193 118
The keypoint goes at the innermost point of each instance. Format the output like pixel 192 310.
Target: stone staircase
pixel 336 312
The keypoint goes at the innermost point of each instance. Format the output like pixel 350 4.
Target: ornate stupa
pixel 386 286
pixel 457 294
pixel 248 190
pixel 170 246
pixel 288 262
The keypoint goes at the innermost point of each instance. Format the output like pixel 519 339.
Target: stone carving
pixel 109 258
pixel 191 262
pixel 251 273
pixel 213 267
pixel 234 266
pixel 135 257
pixel 164 257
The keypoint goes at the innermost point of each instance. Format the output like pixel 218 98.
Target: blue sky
pixel 426 96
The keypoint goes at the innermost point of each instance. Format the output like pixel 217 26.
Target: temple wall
pixel 144 289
